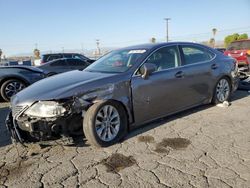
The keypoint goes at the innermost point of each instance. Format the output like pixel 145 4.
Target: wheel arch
pixel 4 79
pixel 126 109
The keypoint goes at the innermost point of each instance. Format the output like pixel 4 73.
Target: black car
pixel 15 78
pixel 49 57
pixel 122 90
pixel 63 65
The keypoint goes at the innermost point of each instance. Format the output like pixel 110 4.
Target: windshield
pixel 116 61
pixel 239 45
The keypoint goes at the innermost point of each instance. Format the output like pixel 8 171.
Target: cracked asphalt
pixel 207 146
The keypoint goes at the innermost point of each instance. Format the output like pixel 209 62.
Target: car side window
pixel 67 55
pixel 76 56
pixel 165 58
pixel 52 57
pixel 59 63
pixel 193 54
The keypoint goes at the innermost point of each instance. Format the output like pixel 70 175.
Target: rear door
pixel 198 69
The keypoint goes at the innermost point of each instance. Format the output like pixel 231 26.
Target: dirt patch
pixel 161 149
pixel 146 139
pixel 13 170
pixel 117 162
pixel 174 143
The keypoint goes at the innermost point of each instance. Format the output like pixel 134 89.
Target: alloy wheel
pixel 222 90
pixel 12 88
pixel 107 123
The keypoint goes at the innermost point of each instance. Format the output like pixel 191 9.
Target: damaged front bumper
pixel 13 129
pixel 24 128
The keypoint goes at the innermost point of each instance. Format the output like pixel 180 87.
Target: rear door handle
pixel 214 66
pixel 179 74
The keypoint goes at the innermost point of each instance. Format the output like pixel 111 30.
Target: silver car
pixel 122 90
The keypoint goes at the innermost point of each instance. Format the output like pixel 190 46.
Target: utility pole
pixel 167 19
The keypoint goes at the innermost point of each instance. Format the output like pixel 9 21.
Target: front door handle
pixel 214 66
pixel 179 74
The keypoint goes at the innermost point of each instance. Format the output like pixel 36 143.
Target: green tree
pixel 1 52
pixel 231 38
pixel 243 36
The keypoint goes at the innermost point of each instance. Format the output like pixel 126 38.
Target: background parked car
pixel 63 65
pixel 15 78
pixel 49 57
pixel 240 50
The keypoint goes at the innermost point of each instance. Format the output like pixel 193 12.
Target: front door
pixel 161 93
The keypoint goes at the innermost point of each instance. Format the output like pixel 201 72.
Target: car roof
pixel 62 54
pixel 152 46
pixel 64 58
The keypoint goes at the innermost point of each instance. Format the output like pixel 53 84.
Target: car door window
pixel 78 56
pixel 52 57
pixel 193 54
pixel 165 58
pixel 67 55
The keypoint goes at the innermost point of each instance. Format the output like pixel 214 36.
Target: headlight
pixel 46 109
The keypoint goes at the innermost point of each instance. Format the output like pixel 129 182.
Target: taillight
pixel 248 52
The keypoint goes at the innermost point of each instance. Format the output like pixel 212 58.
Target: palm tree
pixel 1 52
pixel 153 40
pixel 214 30
pixel 212 42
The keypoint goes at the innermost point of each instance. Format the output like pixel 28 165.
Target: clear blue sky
pixel 54 24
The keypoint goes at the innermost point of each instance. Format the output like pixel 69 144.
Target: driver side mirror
pixel 147 69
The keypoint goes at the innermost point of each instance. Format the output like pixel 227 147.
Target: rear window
pixel 195 54
pixel 239 45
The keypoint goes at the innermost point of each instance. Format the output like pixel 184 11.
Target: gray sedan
pixel 122 90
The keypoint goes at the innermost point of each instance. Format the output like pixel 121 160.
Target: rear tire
pixel 11 87
pixel 222 91
pixel 105 123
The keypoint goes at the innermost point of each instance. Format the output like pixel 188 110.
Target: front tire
pixel 222 91
pixel 105 123
pixel 11 87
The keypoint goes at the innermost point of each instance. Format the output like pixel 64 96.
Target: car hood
pixel 62 86
pixel 34 69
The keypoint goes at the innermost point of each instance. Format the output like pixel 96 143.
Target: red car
pixel 240 50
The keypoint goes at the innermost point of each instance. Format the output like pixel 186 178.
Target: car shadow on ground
pixel 147 127
pixel 4 134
